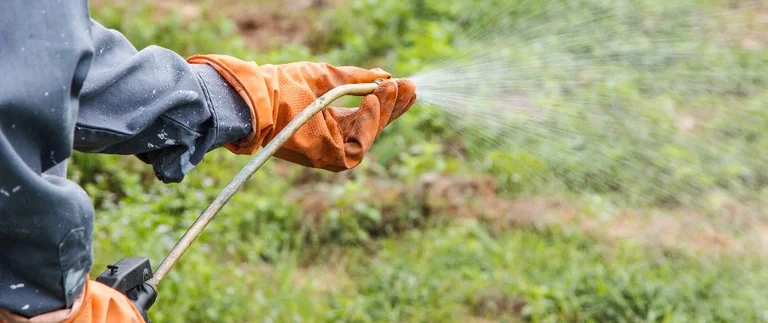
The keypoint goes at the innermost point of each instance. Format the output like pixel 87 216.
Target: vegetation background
pixel 435 226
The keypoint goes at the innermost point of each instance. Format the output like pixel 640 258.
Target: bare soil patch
pixel 738 229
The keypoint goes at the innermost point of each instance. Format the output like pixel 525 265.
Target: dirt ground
pixel 733 229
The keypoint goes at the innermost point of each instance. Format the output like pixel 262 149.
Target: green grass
pixel 378 247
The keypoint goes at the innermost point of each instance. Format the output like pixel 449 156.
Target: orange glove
pixel 336 139
pixel 98 304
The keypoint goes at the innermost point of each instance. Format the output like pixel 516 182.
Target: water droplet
pixel 46 93
pixel 17 286
pixel 25 307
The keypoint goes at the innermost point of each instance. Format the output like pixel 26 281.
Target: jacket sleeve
pixel 65 79
pixel 153 104
pixel 46 221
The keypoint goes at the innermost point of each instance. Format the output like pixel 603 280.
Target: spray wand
pixel 133 276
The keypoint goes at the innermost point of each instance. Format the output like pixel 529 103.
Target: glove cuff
pixel 247 80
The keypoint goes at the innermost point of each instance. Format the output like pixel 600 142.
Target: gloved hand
pixel 336 139
pixel 98 304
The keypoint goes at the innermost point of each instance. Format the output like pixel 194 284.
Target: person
pixel 69 83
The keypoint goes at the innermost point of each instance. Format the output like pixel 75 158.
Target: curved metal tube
pixel 261 157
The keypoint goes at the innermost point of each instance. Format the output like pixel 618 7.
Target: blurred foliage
pixel 304 245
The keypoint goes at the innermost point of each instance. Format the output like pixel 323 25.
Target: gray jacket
pixel 68 83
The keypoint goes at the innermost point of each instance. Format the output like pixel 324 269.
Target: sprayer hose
pixel 256 162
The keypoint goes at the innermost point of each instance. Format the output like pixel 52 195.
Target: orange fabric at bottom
pixel 98 304
pixel 103 304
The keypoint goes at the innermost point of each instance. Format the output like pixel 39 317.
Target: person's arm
pixel 171 112
pixel 66 80
pixel 153 104
pixel 46 221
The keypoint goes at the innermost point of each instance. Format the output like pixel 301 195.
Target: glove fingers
pixel 359 128
pixel 406 96
pixel 387 96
